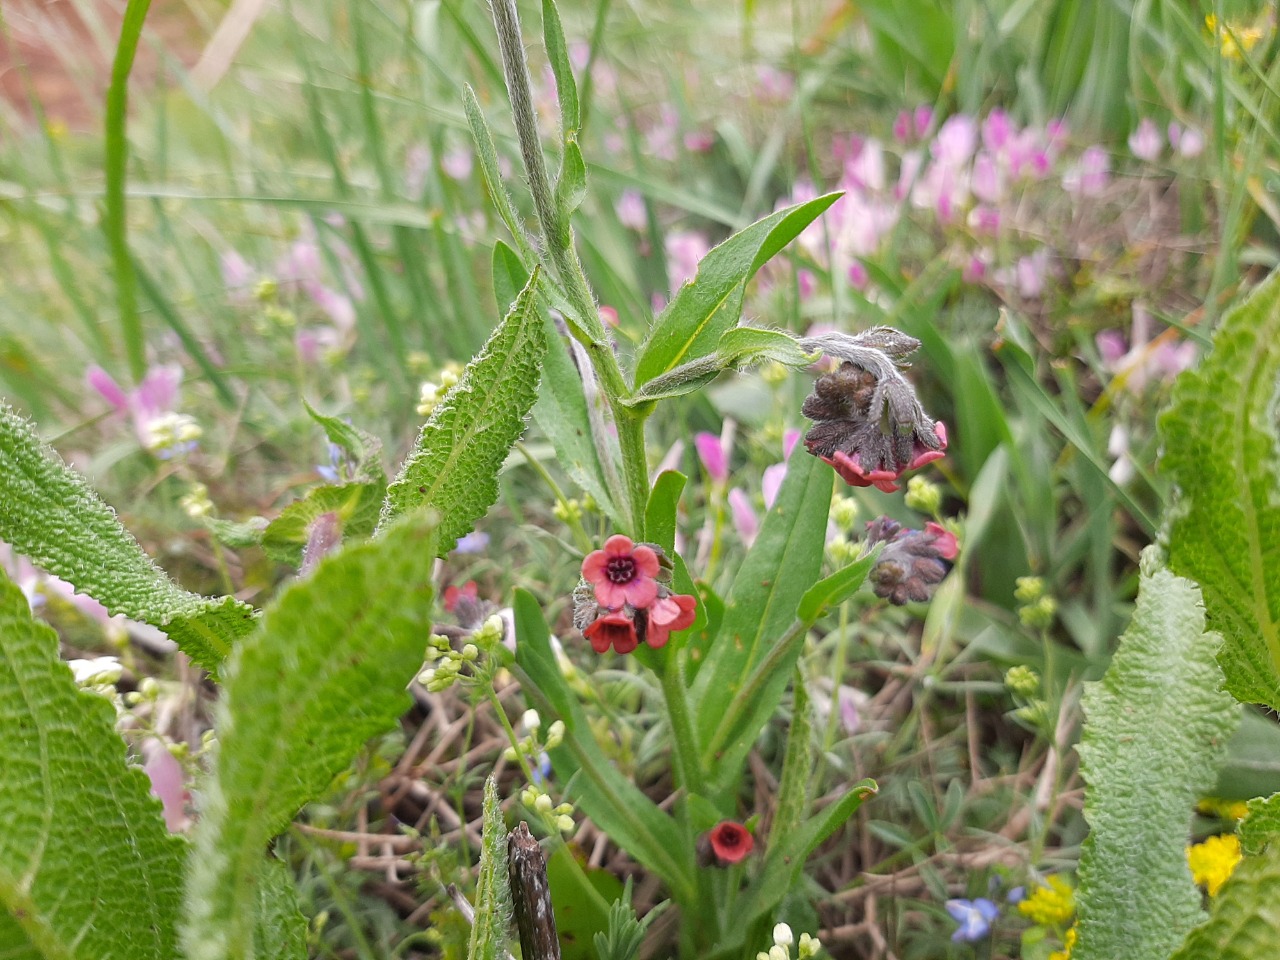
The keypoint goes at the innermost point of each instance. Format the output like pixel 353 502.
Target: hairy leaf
pixel 493 897
pixel 612 801
pixel 711 303
pixel 837 588
pixel 742 680
pixel 282 929
pixel 1156 725
pixel 1244 922
pixel 739 348
pixel 1262 826
pixel 51 515
pixel 87 869
pixel 455 463
pixel 356 505
pixel 327 670
pixel 1219 438
pixel 361 447
pixel 561 69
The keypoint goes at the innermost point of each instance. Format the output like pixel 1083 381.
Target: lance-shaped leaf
pixel 742 680
pixel 455 463
pixel 87 869
pixel 327 670
pixel 1156 725
pixel 738 348
pixel 281 926
pixel 711 303
pixel 493 897
pixel 51 515
pixel 1244 921
pixel 1219 438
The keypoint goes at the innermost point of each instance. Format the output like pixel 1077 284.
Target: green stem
pixel 684 742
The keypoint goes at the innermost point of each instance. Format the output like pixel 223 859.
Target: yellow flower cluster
pixel 1237 39
pixel 1052 904
pixel 1213 860
pixel 1226 809
pixel 1068 944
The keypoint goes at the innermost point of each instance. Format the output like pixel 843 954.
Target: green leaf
pixel 327 670
pixel 558 54
pixel 746 669
pixel 1156 726
pixel 356 505
pixel 1261 826
pixel 1219 438
pixel 581 897
pixel 1244 923
pixel 797 764
pixel 282 928
pixel 455 463
pixel 613 802
pixel 53 517
pixel 837 588
pixel 87 869
pixel 493 895
pixel 238 535
pixel 660 513
pixel 788 853
pixel 361 447
pixel 492 173
pixel 738 348
pixel 561 411
pixel 710 304
pixel 571 187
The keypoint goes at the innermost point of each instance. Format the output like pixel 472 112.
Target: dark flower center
pixel 620 569
pixel 730 837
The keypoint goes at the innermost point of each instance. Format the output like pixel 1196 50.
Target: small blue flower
pixel 543 770
pixel 973 916
pixel 474 542
pixel 1017 895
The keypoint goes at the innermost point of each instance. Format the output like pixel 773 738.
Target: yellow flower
pixel 1235 37
pixel 1226 809
pixel 1052 904
pixel 1213 860
pixel 1068 944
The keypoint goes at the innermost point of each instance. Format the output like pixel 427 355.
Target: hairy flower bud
pixel 912 563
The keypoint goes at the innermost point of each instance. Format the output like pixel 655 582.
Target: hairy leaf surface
pixel 493 898
pixel 1244 922
pixel 51 515
pixel 1220 449
pixel 1261 827
pixel 87 869
pixel 455 463
pixel 1156 725
pixel 327 670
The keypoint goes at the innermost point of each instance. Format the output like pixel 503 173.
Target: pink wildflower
pixel 711 453
pixel 1145 141
pixel 615 630
pixel 622 573
pixel 730 842
pixel 745 520
pixel 676 612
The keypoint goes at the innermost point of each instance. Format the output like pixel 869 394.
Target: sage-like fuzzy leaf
pixel 493 898
pixel 51 515
pixel 1261 827
pixel 327 670
pixel 87 869
pixel 1244 919
pixel 455 463
pixel 1156 725
pixel 282 929
pixel 1220 448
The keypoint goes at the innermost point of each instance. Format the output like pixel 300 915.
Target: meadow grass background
pixel 305 219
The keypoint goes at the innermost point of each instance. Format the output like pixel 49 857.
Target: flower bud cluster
pixel 148 692
pixel 624 598
pixel 555 816
pixel 913 562
pixel 923 496
pixel 171 434
pixel 430 394
pixel 196 503
pixel 1036 606
pixel 783 939
pixel 532 745
pixel 448 666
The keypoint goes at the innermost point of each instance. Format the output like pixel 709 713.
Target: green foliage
pixel 1220 449
pixel 797 764
pixel 455 463
pixel 327 670
pixel 1262 826
pixel 1155 727
pixel 1244 922
pixel 282 928
pixel 52 516
pixel 738 348
pixel 87 869
pixel 493 894
pixel 609 798
pixel 625 934
pixel 837 588
pixel 708 306
pixel 745 673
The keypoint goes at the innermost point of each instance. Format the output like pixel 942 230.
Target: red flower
pixel 852 473
pixel 453 594
pixel 614 629
pixel 676 612
pixel 944 541
pixel 622 573
pixel 730 842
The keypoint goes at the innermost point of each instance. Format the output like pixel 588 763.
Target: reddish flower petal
pixel 676 612
pixel 614 629
pixel 851 472
pixel 731 841
pixel 944 541
pixel 646 561
pixel 619 545
pixel 593 566
pixel 640 593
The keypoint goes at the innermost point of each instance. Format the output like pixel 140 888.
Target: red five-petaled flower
pixel 622 573
pixel 730 842
pixel 676 612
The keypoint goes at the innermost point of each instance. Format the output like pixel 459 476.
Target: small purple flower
pixel 974 918
pixel 237 275
pixel 631 211
pixel 1145 141
pixel 997 128
pixel 1016 895
pixel 745 520
pixel 1191 143
pixel 685 249
pixel 711 453
pixel 1090 176
pixel 457 163
pixel 956 140
pixel 474 542
pixel 858 276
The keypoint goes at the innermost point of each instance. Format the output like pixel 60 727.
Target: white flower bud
pixel 782 935
pixel 531 720
pixel 565 824
pixel 779 953
pixel 543 803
